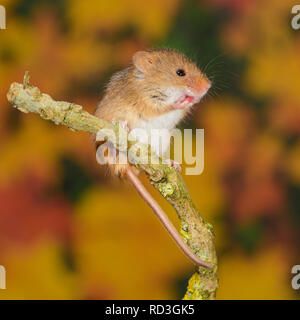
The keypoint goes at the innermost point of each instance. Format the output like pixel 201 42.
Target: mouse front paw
pixel 173 164
pixel 124 125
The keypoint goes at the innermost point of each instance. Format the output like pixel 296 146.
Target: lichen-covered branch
pixel 197 233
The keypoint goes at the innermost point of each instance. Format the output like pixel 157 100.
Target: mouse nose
pixel 199 85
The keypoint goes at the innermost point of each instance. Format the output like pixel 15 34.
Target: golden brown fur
pixel 144 90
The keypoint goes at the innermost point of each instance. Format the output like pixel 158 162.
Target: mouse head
pixel 169 78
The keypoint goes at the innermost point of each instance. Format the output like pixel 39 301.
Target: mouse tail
pixel 164 219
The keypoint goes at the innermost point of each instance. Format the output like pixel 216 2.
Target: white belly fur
pixel 167 122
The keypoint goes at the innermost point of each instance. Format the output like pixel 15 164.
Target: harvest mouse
pixel 156 91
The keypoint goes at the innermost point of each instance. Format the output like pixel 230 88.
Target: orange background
pixel 67 231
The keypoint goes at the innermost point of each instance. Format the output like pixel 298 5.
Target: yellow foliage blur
pixel 69 231
pixel 262 277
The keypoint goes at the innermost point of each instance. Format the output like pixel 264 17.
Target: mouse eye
pixel 180 72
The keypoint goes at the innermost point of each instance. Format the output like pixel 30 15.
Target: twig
pixel 197 233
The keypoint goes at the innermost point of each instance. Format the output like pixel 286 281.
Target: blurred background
pixel 68 231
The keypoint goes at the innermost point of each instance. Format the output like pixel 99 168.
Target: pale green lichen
pixel 201 253
pixel 209 226
pixel 206 271
pixel 196 289
pixel 166 189
pixel 184 231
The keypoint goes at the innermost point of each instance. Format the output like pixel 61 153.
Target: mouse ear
pixel 143 60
